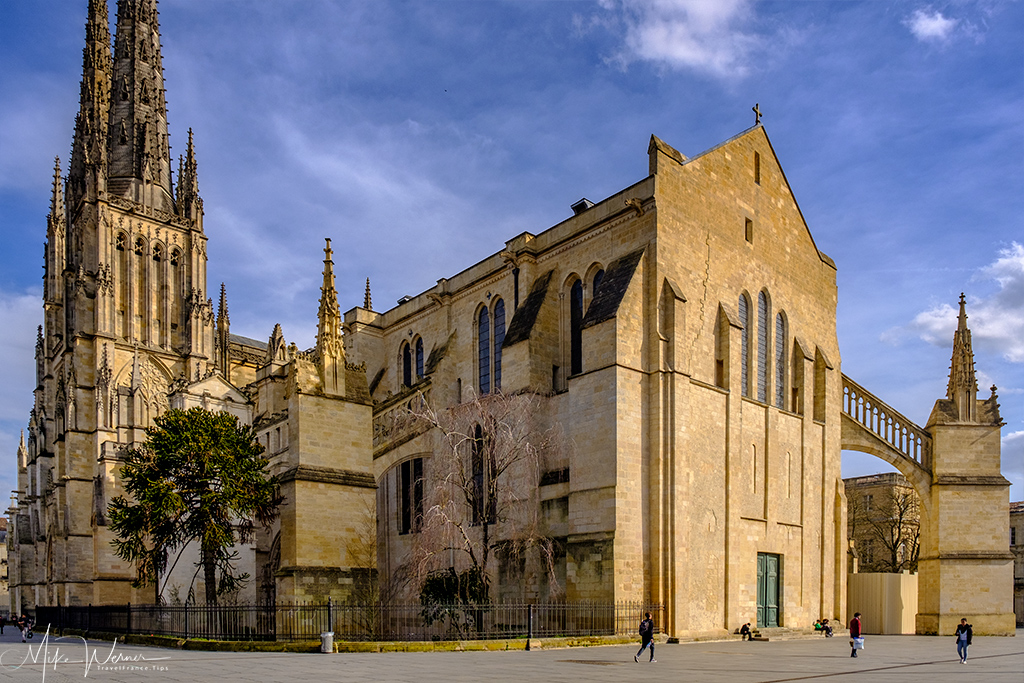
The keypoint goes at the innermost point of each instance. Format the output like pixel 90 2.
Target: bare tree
pixel 896 525
pixel 372 593
pixel 890 524
pixel 482 494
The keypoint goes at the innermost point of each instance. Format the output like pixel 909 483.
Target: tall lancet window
pixel 419 358
pixel 762 347
pixel 484 347
pixel 744 306
pixel 780 361
pixel 499 337
pixel 576 328
pixel 406 365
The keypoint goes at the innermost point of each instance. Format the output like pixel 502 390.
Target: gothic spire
pixel 56 251
pixel 188 202
pixel 56 218
pixel 223 334
pixel 87 169
pixel 367 303
pixel 140 161
pixel 963 386
pixel 328 338
pixel 329 345
pixel 222 307
pixel 275 347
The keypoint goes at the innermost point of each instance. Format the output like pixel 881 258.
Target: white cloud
pixel 1012 456
pixel 687 34
pixel 996 322
pixel 930 25
pixel 20 314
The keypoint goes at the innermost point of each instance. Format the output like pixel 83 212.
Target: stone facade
pixel 681 333
pixel 699 426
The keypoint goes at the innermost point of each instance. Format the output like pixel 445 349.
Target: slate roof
pixel 246 341
pixel 613 287
pixel 437 355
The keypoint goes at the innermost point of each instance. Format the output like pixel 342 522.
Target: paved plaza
pixel 908 659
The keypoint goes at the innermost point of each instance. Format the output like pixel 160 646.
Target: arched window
pixel 762 347
pixel 499 337
pixel 478 473
pixel 780 361
pixel 406 365
pixel 598 276
pixel 158 253
pixel 744 306
pixel 419 358
pixel 410 489
pixel 576 328
pixel 483 329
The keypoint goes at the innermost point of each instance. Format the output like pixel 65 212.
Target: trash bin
pixel 327 642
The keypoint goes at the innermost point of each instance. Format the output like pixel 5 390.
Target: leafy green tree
pixel 197 477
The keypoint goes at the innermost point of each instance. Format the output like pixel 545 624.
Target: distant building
pixel 1017 548
pixel 883 522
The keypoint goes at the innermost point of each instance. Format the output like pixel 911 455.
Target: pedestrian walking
pixel 646 637
pixel 24 624
pixel 964 634
pixel 856 640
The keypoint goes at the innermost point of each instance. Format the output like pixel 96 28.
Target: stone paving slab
pixel 907 659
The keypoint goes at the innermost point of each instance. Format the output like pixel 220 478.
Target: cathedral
pixel 681 334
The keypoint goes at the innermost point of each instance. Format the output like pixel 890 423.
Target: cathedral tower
pixel 965 568
pixel 126 311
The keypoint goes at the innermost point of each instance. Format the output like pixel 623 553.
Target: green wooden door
pixel 768 590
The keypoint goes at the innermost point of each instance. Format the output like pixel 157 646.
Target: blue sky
pixel 445 128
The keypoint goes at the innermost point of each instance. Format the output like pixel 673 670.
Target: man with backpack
pixel 646 637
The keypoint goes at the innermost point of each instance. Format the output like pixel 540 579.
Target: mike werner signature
pixel 50 653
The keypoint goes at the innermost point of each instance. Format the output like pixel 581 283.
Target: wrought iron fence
pixel 381 622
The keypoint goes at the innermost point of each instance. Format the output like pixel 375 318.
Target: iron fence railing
pixel 359 622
